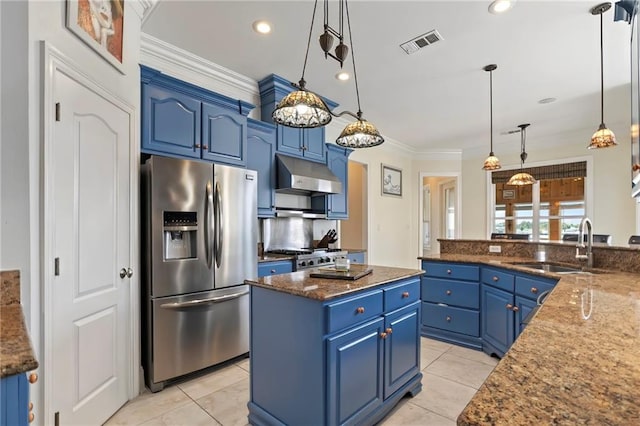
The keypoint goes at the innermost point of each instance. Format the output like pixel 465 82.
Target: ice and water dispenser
pixel 180 235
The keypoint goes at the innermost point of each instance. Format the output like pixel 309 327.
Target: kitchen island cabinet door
pixel 401 347
pixel 525 306
pixel 170 122
pixel 354 364
pixel 14 400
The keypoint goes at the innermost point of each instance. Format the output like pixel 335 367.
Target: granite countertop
pixel 577 362
pixel 16 353
pixel 300 283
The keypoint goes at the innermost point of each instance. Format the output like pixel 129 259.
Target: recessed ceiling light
pixel 547 100
pixel 500 6
pixel 262 27
pixel 342 76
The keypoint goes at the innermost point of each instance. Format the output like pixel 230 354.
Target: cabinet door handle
pixel 448 292
pixel 273 271
pixel 449 271
pixel 389 330
pixel 515 309
pixel 509 306
pixel 495 279
pixel 448 318
pixel 197 145
pixel 405 295
pixel 205 147
pixel 360 310
pixel 383 335
pixel 534 290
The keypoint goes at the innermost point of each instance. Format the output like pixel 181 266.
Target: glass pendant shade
pixel 301 109
pixel 491 162
pixel 360 134
pixel 520 179
pixel 602 138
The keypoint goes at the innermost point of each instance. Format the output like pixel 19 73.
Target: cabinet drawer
pixel 531 288
pixel 353 310
pixel 401 294
pixel 273 268
pixel 457 320
pixel 451 270
pixel 498 279
pixel 450 292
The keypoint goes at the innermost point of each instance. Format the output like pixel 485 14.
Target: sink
pixel 550 267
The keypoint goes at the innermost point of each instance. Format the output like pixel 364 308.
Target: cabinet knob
pixel 495 279
pixel 33 377
pixel 448 292
pixel 273 271
pixel 383 335
pixel 515 309
pixel 449 271
pixel 30 405
pixel 635 167
pixel 534 290
pixel 360 310
pixel 405 294
pixel 197 145
pixel 448 318
pixel 389 330
pixel 509 306
pixel 31 417
pixel 205 147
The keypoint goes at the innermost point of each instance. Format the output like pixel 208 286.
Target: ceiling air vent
pixel 412 46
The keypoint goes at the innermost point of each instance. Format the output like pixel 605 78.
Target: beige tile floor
pixel 452 375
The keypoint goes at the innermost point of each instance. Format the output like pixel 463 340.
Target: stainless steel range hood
pixel 304 177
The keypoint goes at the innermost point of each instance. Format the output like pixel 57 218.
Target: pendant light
pixel 603 137
pixel 305 109
pixel 521 178
pixel 492 162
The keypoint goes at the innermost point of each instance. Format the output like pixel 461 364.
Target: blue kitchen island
pixel 328 351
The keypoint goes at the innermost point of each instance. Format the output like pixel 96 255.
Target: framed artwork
pixel 391 180
pixel 100 24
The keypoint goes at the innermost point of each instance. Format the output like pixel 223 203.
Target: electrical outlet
pixel 495 249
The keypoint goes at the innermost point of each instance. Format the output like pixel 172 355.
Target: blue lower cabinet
pixel 274 268
pixel 498 320
pixel 401 349
pixel 525 306
pixel 355 365
pixel 356 257
pixel 14 400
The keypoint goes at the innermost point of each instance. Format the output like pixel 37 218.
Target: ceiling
pixel 438 97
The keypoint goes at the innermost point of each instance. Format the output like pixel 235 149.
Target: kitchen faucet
pixel 589 256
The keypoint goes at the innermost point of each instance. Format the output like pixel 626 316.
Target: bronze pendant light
pixel 491 162
pixel 522 178
pixel 603 137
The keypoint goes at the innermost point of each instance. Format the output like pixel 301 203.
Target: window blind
pixel 555 171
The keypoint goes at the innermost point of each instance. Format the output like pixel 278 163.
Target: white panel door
pixel 91 342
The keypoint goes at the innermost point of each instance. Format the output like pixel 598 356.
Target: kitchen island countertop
pixel 577 362
pixel 302 284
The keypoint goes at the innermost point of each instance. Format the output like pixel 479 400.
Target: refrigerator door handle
pixel 219 231
pixel 200 302
pixel 208 211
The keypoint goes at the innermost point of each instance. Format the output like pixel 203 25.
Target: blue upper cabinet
pixel 170 122
pixel 338 162
pixel 305 143
pixel 184 120
pixel 224 135
pixel 261 145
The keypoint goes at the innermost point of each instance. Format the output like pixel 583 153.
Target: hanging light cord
pixel 491 110
pixel 306 55
pixel 353 59
pixel 601 73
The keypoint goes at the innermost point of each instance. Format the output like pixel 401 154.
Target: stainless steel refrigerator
pixel 200 232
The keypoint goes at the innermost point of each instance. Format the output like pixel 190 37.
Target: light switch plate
pixel 495 249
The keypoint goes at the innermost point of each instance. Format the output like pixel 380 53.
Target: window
pixel 546 210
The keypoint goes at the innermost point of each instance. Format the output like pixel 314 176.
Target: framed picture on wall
pixel 391 180
pixel 100 24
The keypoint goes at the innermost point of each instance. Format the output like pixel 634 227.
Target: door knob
pixel 123 273
pixel 129 272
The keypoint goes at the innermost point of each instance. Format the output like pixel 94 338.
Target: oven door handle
pixel 200 302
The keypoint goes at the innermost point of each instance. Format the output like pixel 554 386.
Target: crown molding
pixel 143 7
